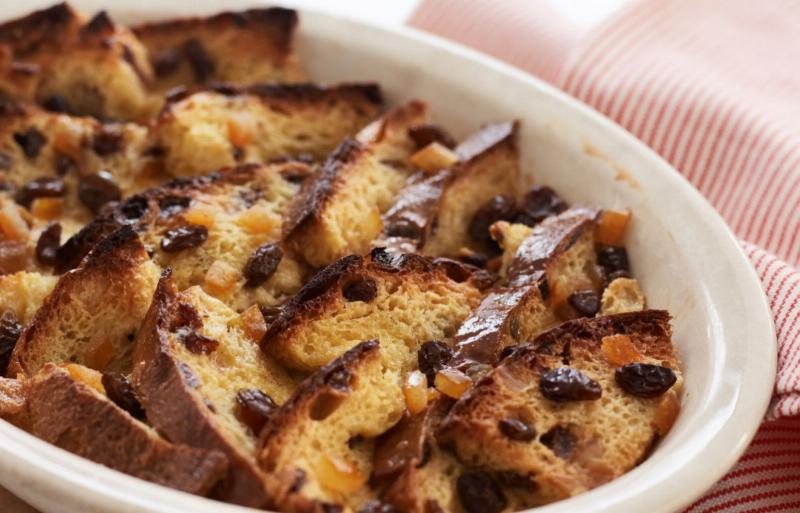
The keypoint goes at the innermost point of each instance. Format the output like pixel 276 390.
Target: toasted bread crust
pixel 117 267
pixel 13 403
pixel 166 385
pixel 496 323
pixel 323 297
pixel 75 417
pixel 488 167
pixel 193 50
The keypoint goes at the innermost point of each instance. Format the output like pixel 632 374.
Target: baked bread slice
pixel 227 125
pixel 23 292
pixel 553 260
pixel 56 58
pixel 94 311
pixel 338 212
pixel 488 166
pixel 198 50
pixel 221 231
pixel 317 448
pixel 64 168
pixel 68 407
pixel 577 407
pixel 402 300
pixel 195 361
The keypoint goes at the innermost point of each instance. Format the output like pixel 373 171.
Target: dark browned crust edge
pixel 164 386
pixel 316 192
pixel 72 416
pixel 488 137
pixel 28 33
pixel 651 323
pixel 278 23
pixel 116 216
pixel 115 256
pixel 319 291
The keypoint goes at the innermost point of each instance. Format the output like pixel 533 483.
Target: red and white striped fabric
pixel 714 87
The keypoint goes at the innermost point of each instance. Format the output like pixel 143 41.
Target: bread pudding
pixel 223 278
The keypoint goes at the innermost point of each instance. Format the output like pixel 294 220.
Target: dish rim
pixel 27 460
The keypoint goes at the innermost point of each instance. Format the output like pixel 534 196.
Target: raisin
pixel 363 289
pixel 255 407
pixel 10 331
pixel 644 379
pixel 48 243
pixel 45 187
pixel 479 493
pixel 184 237
pixel 299 480
pixel 329 507
pixel 134 209
pixel 197 343
pixel 262 264
pixel 428 133
pixel 98 189
pixel 56 103
pixel 568 384
pixel 166 62
pixel 432 357
pixel 559 440
pixel 613 258
pixel 539 203
pixel 121 393
pixel 31 142
pixel 171 205
pixel 405 228
pixel 377 507
pixel 63 164
pixel 499 208
pixel 517 430
pixel 108 140
pixel 270 313
pixel 474 258
pixel 202 65
pixel 585 302
pixel 615 275
pixel 185 316
pixel 355 441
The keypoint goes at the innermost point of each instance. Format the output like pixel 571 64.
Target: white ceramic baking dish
pixel 686 258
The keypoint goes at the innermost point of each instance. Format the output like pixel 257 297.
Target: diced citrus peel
pixel 452 383
pixel 12 224
pixel 611 227
pixel 47 208
pixel 415 391
pixel 434 157
pixel 338 475
pixel 252 323
pixel 100 355
pixel 86 376
pixel 201 213
pixel 240 130
pixel 257 219
pixel 618 350
pixel 220 277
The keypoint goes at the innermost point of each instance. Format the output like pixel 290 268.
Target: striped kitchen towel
pixel 714 87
